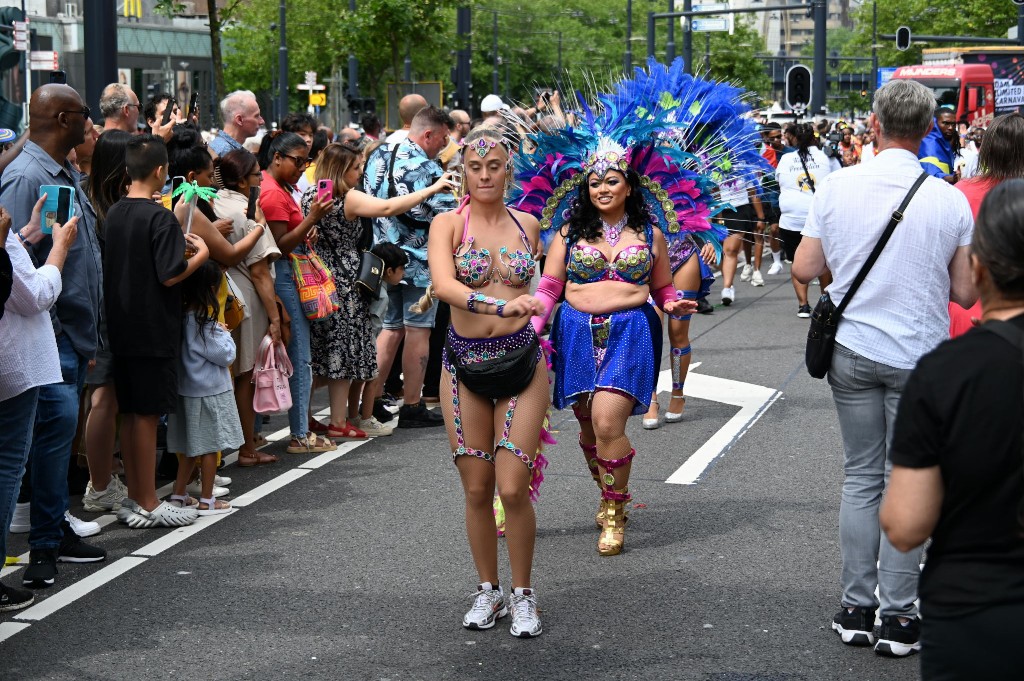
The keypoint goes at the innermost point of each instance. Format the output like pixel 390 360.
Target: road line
pixel 72 593
pixel 8 629
pixel 178 535
pixel 753 401
pixel 327 457
pixel 286 478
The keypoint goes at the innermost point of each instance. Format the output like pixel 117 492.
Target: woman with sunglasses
pixel 283 158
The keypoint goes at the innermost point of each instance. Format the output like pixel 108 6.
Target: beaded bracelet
pixel 475 298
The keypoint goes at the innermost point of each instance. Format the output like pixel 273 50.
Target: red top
pixel 277 203
pixel 975 190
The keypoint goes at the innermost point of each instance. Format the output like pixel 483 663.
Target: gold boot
pixel 614 530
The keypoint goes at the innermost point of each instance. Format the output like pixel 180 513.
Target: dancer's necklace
pixel 612 233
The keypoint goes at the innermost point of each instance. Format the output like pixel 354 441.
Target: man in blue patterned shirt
pixel 411 167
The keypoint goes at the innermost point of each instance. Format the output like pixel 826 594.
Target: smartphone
pixel 193 107
pixel 59 206
pixel 168 109
pixel 325 190
pixel 58 77
pixel 254 196
pixel 176 182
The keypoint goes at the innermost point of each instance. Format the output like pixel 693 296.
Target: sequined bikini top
pixel 588 265
pixel 474 267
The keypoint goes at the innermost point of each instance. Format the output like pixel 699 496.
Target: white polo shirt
pixel 900 311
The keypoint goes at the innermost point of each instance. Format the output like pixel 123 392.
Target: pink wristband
pixel 548 291
pixel 663 295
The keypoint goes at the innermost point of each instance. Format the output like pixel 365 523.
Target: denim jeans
pixel 17 415
pixel 298 348
pixel 867 395
pixel 56 423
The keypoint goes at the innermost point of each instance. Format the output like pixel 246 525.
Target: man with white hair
pixel 120 107
pixel 898 314
pixel 242 120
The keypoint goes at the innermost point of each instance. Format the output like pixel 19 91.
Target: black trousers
pixel 432 377
pixel 984 645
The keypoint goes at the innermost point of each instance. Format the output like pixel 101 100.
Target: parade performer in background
pixel 606 190
pixel 481 260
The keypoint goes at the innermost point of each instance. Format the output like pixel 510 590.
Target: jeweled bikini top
pixel 587 265
pixel 475 267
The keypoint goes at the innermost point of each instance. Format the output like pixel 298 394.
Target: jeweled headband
pixel 483 146
pixel 609 155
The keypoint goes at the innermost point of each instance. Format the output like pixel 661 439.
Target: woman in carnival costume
pixel 482 258
pixel 607 189
pixel 706 120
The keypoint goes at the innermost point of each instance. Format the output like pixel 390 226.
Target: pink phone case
pixel 324 190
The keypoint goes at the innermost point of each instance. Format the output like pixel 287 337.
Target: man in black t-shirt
pixel 145 263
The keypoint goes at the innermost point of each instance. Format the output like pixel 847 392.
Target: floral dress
pixel 343 345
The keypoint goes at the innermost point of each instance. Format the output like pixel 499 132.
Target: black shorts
pixel 772 214
pixel 790 240
pixel 146 385
pixel 740 221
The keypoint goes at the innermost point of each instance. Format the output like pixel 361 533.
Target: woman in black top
pixel 958 475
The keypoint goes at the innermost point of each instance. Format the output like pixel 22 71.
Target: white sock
pixel 777 257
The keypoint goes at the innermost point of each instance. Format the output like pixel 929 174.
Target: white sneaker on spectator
pixel 756 279
pixel 196 490
pixel 728 295
pixel 775 268
pixel 20 521
pixel 107 500
pixel 373 427
pixel 83 528
pixel 745 273
pixel 164 515
pixel 222 481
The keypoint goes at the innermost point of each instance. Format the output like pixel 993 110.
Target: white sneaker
pixel 728 295
pixel 525 622
pixel 756 279
pixel 745 274
pixel 775 268
pixel 222 481
pixel 21 521
pixel 164 515
pixel 196 490
pixel 108 500
pixel 372 427
pixel 83 528
pixel 488 607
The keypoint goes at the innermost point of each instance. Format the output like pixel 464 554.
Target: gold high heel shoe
pixel 613 534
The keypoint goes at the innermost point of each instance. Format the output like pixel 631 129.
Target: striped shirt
pixel 900 311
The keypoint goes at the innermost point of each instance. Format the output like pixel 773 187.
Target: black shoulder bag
pixel 821 336
pixel 371 267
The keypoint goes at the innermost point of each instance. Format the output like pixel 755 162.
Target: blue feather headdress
pixel 680 135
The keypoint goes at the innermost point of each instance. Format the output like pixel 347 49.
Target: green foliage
pixel 168 8
pixel 734 57
pixel 981 18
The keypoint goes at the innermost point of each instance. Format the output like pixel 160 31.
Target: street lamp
pixel 282 65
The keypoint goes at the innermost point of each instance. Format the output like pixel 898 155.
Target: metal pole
pixel 559 54
pixel 670 46
pixel 818 79
pixel 628 59
pixel 494 56
pixel 407 66
pixel 353 63
pixel 282 65
pixel 1020 24
pixel 707 53
pixel 650 34
pixel 687 39
pixel 874 48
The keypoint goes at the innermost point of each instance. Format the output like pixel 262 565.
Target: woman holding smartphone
pixel 342 346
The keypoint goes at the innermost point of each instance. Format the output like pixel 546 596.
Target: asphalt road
pixel 359 568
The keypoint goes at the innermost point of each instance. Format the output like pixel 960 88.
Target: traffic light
pixel 798 86
pixel 903 38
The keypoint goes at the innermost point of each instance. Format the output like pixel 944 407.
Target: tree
pixel 734 58
pixel 981 18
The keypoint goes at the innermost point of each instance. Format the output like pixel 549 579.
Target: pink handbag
pixel 271 374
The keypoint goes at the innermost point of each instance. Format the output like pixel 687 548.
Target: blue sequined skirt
pixel 619 351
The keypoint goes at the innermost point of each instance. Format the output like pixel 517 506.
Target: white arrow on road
pixel 753 401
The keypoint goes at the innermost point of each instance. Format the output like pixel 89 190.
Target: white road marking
pixel 753 401
pixel 72 593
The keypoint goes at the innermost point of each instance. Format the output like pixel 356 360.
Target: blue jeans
pixel 56 423
pixel 17 415
pixel 867 395
pixel 298 348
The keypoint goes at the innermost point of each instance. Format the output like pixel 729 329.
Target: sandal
pixel 346 432
pixel 183 501
pixel 672 417
pixel 310 444
pixel 214 507
pixel 258 440
pixel 317 427
pixel 649 423
pixel 255 459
